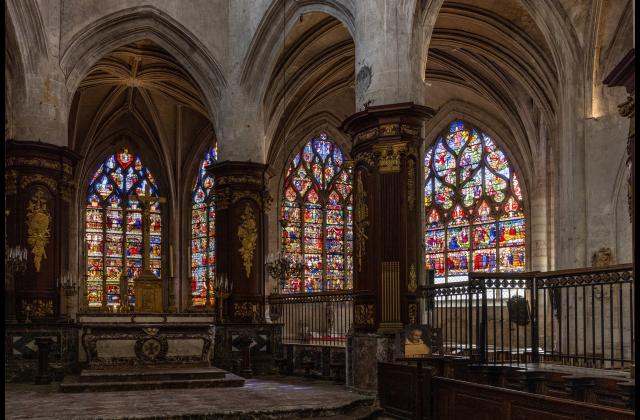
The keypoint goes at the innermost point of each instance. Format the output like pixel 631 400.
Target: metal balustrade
pixel 317 319
pixel 572 317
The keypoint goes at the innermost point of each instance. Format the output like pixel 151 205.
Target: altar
pixel 146 339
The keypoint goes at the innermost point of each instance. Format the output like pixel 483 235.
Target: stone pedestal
pixel 21 349
pixel 248 349
pixel 240 201
pixel 387 233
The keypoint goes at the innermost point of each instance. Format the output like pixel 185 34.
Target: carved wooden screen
pixel 203 244
pixel 473 206
pixel 317 217
pixel 113 230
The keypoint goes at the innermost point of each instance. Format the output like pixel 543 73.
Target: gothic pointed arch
pixel 317 216
pixel 143 23
pixel 113 228
pixel 474 206
pixel 203 241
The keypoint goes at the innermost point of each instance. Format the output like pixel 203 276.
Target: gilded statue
pixel 38 221
pixel 248 235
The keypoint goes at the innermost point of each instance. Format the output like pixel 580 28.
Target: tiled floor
pixel 25 401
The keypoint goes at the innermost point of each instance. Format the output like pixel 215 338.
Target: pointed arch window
pixel 317 216
pixel 113 228
pixel 473 206
pixel 203 244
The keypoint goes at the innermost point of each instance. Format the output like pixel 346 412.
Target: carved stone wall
pixel 39 188
pixel 241 201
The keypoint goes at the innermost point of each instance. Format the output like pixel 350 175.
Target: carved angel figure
pixel 38 221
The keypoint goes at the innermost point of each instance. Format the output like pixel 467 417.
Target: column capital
pixel 390 120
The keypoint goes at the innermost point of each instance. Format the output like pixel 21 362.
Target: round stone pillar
pixel 240 202
pixel 387 230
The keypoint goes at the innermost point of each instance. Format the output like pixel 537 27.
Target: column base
pixel 364 351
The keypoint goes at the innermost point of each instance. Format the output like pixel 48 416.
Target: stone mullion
pixel 104 257
pixel 324 254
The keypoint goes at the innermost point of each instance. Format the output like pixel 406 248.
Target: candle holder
pixel 283 267
pixel 69 289
pixel 15 259
pixel 222 290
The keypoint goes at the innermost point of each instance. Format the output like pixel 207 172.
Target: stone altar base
pixel 144 351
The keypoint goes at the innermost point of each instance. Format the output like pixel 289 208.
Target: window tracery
pixel 203 244
pixel 317 217
pixel 113 227
pixel 473 206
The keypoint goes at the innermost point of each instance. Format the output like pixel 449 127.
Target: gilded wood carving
pixel 360 220
pixel 248 235
pixel 364 314
pixel 38 221
pixel 412 286
pixel 389 157
pixel 411 184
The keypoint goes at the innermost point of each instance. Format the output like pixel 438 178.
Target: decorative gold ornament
pixel 364 314
pixel 366 157
pixel 410 130
pixel 413 313
pixel 360 220
pixel 223 180
pixel 602 258
pixel 222 199
pixel 38 221
pixel 239 195
pixel 248 235
pixel 38 308
pixel 389 157
pixel 267 200
pixel 245 310
pixel 37 162
pixel 367 135
pixel 11 182
pixel 411 184
pixel 389 130
pixel 30 179
pixel 412 286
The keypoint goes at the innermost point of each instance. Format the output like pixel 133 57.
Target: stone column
pixel 387 229
pixel 623 74
pixel 39 186
pixel 240 200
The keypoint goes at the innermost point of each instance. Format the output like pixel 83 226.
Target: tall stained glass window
pixel 473 207
pixel 203 244
pixel 317 217
pixel 113 229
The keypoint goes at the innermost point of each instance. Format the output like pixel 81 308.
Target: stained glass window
pixel 473 206
pixel 203 244
pixel 317 217
pixel 113 227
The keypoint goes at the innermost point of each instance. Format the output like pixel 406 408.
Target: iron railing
pixel 573 317
pixel 318 319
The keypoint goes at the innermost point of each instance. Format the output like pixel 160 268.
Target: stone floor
pixel 271 397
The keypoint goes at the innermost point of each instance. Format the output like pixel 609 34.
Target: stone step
pixel 73 384
pixel 360 413
pixel 150 374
